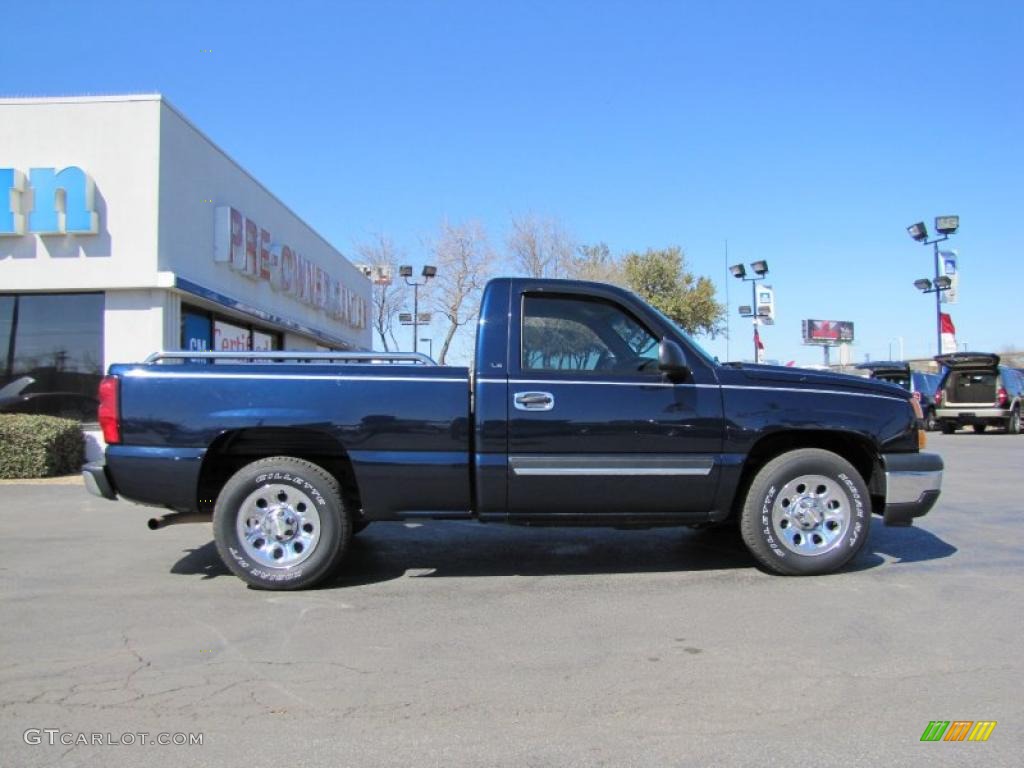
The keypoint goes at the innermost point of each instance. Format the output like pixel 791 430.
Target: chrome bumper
pixel 913 482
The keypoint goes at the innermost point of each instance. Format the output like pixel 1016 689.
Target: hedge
pixel 39 446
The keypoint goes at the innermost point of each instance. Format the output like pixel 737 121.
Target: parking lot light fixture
pixel 760 269
pixel 945 226
pixel 428 272
pixel 918 231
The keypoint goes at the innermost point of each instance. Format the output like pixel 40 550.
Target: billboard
pixel 831 332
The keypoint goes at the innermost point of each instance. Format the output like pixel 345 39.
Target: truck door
pixel 594 427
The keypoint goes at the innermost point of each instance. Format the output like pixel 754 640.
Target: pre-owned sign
pixel 249 249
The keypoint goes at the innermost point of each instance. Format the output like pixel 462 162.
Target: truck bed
pixel 406 427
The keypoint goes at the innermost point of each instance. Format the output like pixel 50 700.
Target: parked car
pixel 585 406
pixel 16 397
pixel 977 390
pixel 920 384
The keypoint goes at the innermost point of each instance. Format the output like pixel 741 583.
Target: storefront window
pixel 202 330
pixel 51 354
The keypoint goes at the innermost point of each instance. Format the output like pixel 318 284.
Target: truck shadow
pixel 387 551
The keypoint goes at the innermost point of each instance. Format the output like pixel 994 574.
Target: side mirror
pixel 672 359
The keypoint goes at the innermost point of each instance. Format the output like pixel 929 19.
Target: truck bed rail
pixel 401 358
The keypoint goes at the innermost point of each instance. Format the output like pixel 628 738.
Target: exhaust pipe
pixel 176 518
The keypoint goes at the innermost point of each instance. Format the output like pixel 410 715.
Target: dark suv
pixel 977 390
pixel 923 385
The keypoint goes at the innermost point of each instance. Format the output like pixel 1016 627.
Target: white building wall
pixel 116 142
pixel 138 323
pixel 196 178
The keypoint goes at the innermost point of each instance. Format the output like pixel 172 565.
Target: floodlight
pixel 947 225
pixel 924 284
pixel 760 267
pixel 738 270
pixel 429 271
pixel 405 270
pixel 942 282
pixel 918 231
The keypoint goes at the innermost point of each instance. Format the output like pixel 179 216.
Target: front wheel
pixel 947 428
pixel 807 512
pixel 979 428
pixel 279 523
pixel 930 422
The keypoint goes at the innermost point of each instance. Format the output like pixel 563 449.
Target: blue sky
pixel 808 134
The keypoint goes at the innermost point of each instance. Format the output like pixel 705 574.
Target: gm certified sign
pixel 50 203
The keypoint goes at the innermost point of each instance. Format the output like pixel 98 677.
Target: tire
pixel 298 527
pixel 947 428
pixel 979 428
pixel 930 422
pixel 1013 423
pixel 807 512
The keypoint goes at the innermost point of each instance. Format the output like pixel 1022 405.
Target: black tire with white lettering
pixel 279 523
pixel 807 512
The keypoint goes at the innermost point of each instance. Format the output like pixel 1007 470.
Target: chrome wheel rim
pixel 278 526
pixel 811 514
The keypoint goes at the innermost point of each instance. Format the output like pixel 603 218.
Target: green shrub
pixel 39 446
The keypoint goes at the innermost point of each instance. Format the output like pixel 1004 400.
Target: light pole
pixel 406 272
pixel 945 226
pixel 760 272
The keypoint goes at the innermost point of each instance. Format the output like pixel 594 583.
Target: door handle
pixel 534 401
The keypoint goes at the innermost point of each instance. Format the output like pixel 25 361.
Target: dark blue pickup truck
pixel 585 406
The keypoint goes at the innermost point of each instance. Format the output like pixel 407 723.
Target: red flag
pixel 947 324
pixel 757 339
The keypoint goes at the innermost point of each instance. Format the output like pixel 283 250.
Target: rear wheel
pixel 979 428
pixel 947 428
pixel 807 512
pixel 1013 425
pixel 930 422
pixel 279 523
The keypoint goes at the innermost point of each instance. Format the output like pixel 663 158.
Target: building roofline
pixel 161 99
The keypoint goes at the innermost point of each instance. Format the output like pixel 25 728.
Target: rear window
pixel 971 386
pixel 902 379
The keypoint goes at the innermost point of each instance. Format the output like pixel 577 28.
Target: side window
pixel 563 333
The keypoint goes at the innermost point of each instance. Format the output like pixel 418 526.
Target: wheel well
pixel 234 449
pixel 855 449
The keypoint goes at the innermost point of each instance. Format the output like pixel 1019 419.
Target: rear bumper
pixel 968 415
pixel 96 481
pixel 913 482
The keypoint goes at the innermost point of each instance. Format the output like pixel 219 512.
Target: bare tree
pixel 595 262
pixel 539 246
pixel 464 260
pixel 379 259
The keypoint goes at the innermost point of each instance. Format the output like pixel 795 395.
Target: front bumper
pixel 96 481
pixel 912 485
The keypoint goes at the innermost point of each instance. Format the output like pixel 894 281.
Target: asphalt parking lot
pixel 458 644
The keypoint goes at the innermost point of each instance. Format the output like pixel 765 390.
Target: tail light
pixel 110 409
pixel 938 397
pixel 1002 397
pixel 917 396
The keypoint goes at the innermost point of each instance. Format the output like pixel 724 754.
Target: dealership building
pixel 124 230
